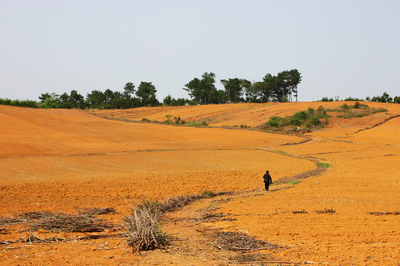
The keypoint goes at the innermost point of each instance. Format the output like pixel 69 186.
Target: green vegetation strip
pixel 323 165
pixel 310 119
pixel 293 182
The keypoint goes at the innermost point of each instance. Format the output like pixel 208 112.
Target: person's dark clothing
pixel 267 180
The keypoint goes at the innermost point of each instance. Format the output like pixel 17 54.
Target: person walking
pixel 267 180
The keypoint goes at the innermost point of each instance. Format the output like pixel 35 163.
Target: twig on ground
pixel 296 212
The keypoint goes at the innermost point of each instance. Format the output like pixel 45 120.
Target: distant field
pixel 59 160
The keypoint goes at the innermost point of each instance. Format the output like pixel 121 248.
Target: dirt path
pixel 196 240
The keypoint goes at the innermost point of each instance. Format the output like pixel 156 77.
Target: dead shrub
pixel 143 230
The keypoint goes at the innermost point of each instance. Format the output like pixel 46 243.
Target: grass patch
pixel 280 152
pixel 293 182
pixel 203 123
pixel 174 120
pixel 323 165
pixel 356 110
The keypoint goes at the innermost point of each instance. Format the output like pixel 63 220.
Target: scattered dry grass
pixel 172 204
pixel 61 222
pixel 326 211
pixel 96 211
pixel 385 213
pixel 297 212
pixel 314 172
pixel 240 242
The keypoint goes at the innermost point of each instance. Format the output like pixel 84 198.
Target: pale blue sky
pixel 341 48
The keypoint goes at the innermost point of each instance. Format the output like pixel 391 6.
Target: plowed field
pixel 63 160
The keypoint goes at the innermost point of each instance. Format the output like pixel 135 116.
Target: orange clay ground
pixel 61 160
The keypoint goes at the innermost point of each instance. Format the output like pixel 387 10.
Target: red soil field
pixel 61 160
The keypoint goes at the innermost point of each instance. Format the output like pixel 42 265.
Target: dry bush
pixel 143 230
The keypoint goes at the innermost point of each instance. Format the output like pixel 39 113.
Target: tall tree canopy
pixel 233 89
pixel 280 88
pixel 147 93
pixel 203 90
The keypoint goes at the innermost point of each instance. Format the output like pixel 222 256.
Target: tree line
pixel 145 96
pixel 385 98
pixel 279 88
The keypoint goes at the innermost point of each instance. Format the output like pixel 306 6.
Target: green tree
pixel 294 80
pixel 207 84
pixel 44 96
pixel 248 90
pixel 95 99
pixel 179 102
pixel 194 90
pixel 76 99
pixel 147 93
pixel 64 97
pixel 167 100
pixel 269 88
pixel 282 87
pixel 129 91
pixel 385 98
pixel 282 84
pixel 203 91
pixel 233 89
pixel 50 100
pixel 218 97
pixel 108 96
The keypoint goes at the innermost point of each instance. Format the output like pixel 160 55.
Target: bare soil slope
pixel 60 160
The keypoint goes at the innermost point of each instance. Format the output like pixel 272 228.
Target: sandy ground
pixel 60 160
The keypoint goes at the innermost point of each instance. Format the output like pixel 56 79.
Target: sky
pixel 342 48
